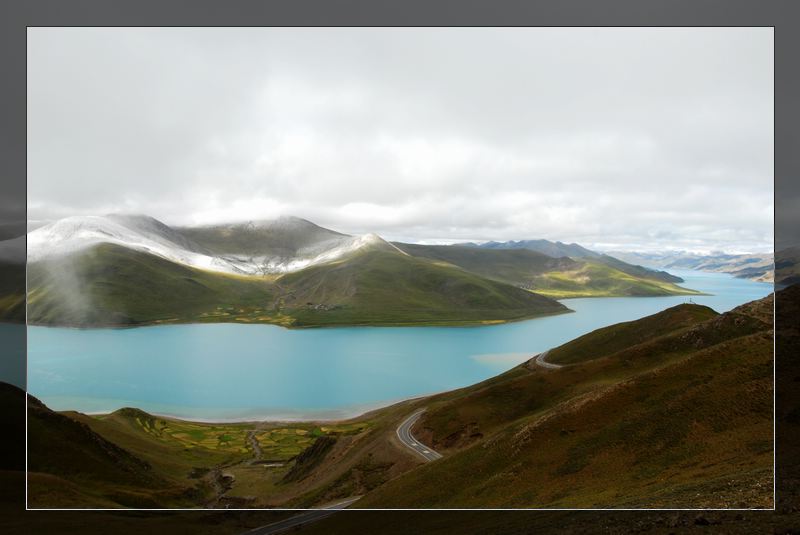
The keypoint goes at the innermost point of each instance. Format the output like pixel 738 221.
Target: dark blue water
pixel 232 371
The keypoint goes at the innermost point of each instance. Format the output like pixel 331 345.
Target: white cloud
pixel 654 138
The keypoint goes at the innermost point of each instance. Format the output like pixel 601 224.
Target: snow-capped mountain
pixel 146 234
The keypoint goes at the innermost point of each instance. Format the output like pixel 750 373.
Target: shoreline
pixel 444 323
pixel 454 323
pixel 354 413
pixel 696 294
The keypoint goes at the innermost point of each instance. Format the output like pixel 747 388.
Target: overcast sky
pixel 614 138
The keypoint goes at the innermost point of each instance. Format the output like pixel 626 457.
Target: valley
pixel 230 401
pixel 625 395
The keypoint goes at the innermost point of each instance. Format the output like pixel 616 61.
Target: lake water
pixel 239 372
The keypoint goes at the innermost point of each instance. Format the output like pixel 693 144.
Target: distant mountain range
pixel 127 270
pixel 555 249
pixel 758 267
pixel 573 250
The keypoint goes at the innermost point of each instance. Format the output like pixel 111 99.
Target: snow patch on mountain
pixel 149 235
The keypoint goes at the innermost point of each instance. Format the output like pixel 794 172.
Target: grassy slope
pixel 127 459
pixel 637 271
pixel 514 266
pixel 382 286
pixel 112 285
pixel 596 279
pixel 678 420
pixel 73 466
pixel 575 251
pixel 555 277
pixel 609 340
pixel 131 458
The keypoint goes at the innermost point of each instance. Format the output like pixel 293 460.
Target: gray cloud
pixel 646 138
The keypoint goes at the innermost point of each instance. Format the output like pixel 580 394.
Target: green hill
pixel 593 278
pixel 124 270
pixel 674 410
pixel 127 459
pixel 609 340
pixel 130 458
pixel 70 465
pixel 636 270
pixel 113 285
pixel 383 286
pixel 596 276
pixel 514 266
pixel 577 252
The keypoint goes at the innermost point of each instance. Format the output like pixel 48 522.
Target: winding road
pixel 408 440
pixel 539 361
pixel 405 437
pixel 313 515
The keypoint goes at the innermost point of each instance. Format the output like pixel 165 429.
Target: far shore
pixel 175 321
pixel 342 416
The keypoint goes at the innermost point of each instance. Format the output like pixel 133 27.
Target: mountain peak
pixel 555 249
pixel 280 245
pixel 286 222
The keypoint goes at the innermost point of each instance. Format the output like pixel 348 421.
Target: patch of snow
pixel 148 235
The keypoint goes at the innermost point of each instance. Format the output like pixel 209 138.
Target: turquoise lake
pixel 245 372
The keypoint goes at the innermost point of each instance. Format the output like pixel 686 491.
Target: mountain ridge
pixel 134 270
pixel 555 249
pixel 562 277
pixel 110 285
pixel 197 247
pixel 573 250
